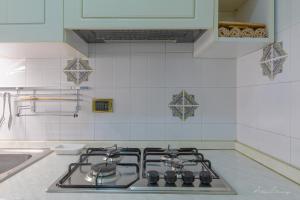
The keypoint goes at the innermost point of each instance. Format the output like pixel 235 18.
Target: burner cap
pixel 103 169
pixel 172 153
pixel 174 163
pixel 112 159
pixel 106 173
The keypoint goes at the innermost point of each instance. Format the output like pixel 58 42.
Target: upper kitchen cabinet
pixel 34 28
pixel 22 12
pixel 138 14
pixel 240 27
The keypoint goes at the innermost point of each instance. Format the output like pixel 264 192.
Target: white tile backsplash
pixel 150 47
pixel 294 52
pixel 42 128
pixel 218 131
pixel 43 72
pixel 247 106
pixel 273 108
pixel 112 131
pixel 184 131
pixel 156 131
pixel 218 105
pixel 295 149
pixel 275 145
pixel 180 48
pixel 156 105
pixel 217 73
pixel 77 131
pixel 13 72
pixel 248 135
pixel 268 111
pixel 141 78
pixel 139 65
pixel 139 105
pixel 112 48
pixel 295 110
pixel 181 70
pixel 104 71
pixel 295 4
pixel 121 71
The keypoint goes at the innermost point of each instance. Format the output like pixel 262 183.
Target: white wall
pixel 269 111
pixel 141 78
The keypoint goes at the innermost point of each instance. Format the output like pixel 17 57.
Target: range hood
pixel 103 36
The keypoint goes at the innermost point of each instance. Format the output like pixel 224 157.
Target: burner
pixel 103 169
pixel 113 155
pixel 112 159
pixel 105 172
pixel 173 163
pixel 172 152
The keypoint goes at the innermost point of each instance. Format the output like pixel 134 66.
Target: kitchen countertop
pixel 250 180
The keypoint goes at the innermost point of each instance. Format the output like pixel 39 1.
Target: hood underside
pixel 103 36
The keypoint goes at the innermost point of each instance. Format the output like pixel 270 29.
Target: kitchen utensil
pixel 10 113
pixel 3 112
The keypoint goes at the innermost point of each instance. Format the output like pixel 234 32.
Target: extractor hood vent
pixel 103 36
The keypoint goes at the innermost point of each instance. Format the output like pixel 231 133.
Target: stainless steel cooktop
pixel 153 170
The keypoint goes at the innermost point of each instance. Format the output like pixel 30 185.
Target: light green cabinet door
pixel 3 11
pixel 22 11
pixel 138 9
pixel 31 20
pixel 138 14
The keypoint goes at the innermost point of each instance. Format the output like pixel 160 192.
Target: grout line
pixel 60 104
pixel 162 87
pixel 267 84
pixel 25 117
pixel 264 130
pixel 290 121
pixel 166 110
pixel 130 89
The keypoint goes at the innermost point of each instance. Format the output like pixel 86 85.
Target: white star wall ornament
pixel 273 59
pixel 78 71
pixel 183 105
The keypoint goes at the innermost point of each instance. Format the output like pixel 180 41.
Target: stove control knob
pixel 188 177
pixel 153 177
pixel 205 177
pixel 170 177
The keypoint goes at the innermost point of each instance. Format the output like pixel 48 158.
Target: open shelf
pixel 210 45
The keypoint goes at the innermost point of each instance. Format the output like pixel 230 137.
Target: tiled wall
pixel 141 78
pixel 269 111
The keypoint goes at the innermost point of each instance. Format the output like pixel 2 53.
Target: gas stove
pixel 151 170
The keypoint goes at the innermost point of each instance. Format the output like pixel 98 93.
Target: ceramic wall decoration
pixel 273 59
pixel 183 105
pixel 78 70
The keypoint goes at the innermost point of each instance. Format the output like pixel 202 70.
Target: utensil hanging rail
pixel 32 96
